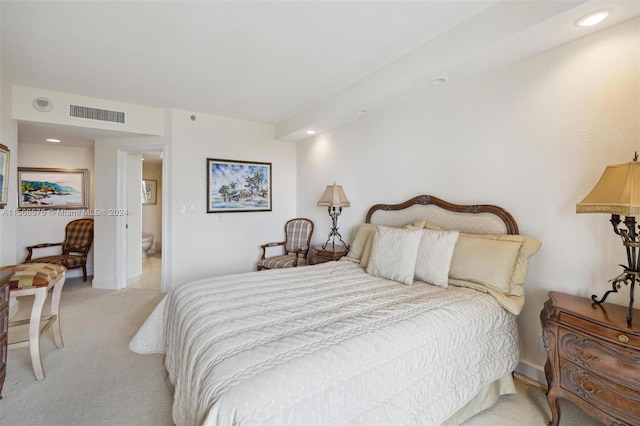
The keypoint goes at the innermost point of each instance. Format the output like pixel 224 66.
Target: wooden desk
pixel 4 324
pixel 593 358
pixel 319 255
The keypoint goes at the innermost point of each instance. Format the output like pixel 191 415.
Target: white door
pixel 134 218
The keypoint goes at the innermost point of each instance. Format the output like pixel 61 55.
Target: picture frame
pixel 238 186
pixel 149 191
pixel 53 188
pixel 4 175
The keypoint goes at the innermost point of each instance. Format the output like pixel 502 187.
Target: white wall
pixel 106 182
pixel 152 213
pixel 139 119
pixel 201 244
pixel 8 218
pixel 533 137
pixel 204 244
pixel 50 228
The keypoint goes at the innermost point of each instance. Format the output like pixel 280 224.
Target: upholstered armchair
pixel 296 246
pixel 78 237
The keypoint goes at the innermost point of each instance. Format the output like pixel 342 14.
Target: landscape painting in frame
pixel 43 188
pixel 238 186
pixel 4 173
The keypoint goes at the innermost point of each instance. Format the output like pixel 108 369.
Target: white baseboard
pixel 75 273
pixel 104 284
pixel 531 373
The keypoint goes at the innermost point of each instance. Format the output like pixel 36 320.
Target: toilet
pixel 147 243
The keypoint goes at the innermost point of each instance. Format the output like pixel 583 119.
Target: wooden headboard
pixel 476 219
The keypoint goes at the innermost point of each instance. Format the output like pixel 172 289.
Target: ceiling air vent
pixel 90 113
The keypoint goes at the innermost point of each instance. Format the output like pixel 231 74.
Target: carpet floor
pixel 96 380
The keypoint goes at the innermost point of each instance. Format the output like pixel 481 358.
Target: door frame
pixel 121 221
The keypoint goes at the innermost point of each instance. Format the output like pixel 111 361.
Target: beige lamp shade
pixel 617 192
pixel 334 196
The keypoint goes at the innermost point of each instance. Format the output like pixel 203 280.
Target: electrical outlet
pixel 541 344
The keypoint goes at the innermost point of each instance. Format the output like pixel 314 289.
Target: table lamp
pixel 335 199
pixel 618 193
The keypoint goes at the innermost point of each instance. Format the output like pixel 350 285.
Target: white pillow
pixel 434 256
pixel 393 253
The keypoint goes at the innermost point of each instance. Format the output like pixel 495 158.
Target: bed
pixel 416 325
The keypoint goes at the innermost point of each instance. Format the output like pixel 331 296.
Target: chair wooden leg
pixel 55 311
pixel 84 273
pixel 34 332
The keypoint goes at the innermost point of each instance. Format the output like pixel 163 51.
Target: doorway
pixel 140 235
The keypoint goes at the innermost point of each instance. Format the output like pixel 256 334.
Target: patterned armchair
pixel 78 237
pixel 296 246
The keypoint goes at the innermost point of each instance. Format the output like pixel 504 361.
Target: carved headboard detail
pixel 478 218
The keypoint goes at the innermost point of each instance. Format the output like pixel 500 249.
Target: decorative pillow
pixel 434 256
pixel 366 252
pixel 433 226
pixel 513 299
pixel 485 260
pixel 393 253
pixel 417 224
pixel 361 235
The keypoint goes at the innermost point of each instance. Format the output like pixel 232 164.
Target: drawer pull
pixel 589 358
pixel 589 389
pixel 623 338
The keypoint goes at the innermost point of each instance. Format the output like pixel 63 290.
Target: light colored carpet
pixel 96 380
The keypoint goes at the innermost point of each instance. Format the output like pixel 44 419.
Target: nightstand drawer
pixel 611 361
pixel 4 295
pixel 4 322
pixel 613 399
pixel 629 339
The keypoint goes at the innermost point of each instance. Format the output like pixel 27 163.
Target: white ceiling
pixel 296 64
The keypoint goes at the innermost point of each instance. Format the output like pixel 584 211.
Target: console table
pixel 593 358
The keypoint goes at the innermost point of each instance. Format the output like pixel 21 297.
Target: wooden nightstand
pixel 4 324
pixel 593 358
pixel 319 255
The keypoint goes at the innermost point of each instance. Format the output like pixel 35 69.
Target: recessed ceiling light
pixel 362 111
pixel 53 140
pixel 43 104
pixel 311 132
pixel 593 18
pixel 438 81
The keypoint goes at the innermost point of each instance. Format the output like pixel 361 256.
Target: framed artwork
pixel 44 188
pixel 149 191
pixel 4 175
pixel 238 186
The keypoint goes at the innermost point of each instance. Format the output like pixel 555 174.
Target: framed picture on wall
pixel 149 191
pixel 238 186
pixel 48 188
pixel 4 175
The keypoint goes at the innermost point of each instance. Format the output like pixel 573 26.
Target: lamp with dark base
pixel 618 193
pixel 630 273
pixel 334 198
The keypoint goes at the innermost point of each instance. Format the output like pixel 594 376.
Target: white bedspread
pixel 324 345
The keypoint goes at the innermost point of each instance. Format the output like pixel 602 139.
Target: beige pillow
pixel 393 253
pixel 362 234
pixel 485 260
pixel 512 300
pixel 434 256
pixel 433 226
